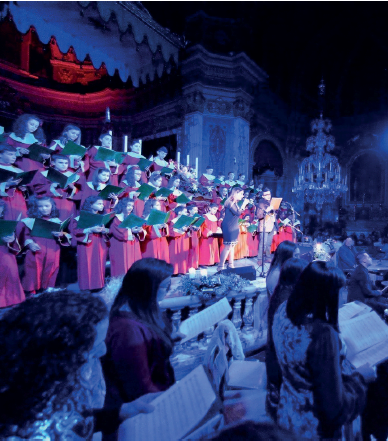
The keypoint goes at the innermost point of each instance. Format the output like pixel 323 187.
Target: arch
pixel 367 173
pixel 255 143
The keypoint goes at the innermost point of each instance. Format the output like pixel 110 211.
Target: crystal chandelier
pixel 319 175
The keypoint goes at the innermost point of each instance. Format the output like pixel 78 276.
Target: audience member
pixel 346 255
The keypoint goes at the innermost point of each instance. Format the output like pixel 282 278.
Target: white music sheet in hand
pixel 177 411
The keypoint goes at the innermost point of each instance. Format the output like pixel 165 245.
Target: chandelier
pixel 319 176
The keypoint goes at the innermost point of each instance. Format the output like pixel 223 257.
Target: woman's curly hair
pixel 20 127
pixel 123 204
pixel 33 210
pixel 130 176
pixel 89 201
pixel 44 342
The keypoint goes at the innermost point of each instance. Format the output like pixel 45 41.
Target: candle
pixel 125 143
pixel 325 177
pixel 196 167
pixel 110 132
pixel 188 160
pixel 330 166
pixel 203 272
pixel 141 145
pixel 107 114
pixel 178 158
pixel 192 273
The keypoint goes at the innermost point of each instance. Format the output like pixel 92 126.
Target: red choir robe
pixel 208 246
pixel 284 233
pixel 74 165
pixel 13 197
pixel 41 186
pixel 92 252
pixel 130 160
pixel 155 243
pixel 241 248
pixel 40 267
pixel 23 161
pixel 206 180
pixel 229 183
pixel 94 165
pixel 171 200
pixel 11 290
pixel 194 248
pixel 129 193
pixel 179 248
pixel 124 247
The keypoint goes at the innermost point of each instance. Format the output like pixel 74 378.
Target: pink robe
pixel 92 252
pixel 11 291
pixel 132 160
pixel 194 248
pixel 41 267
pixel 155 246
pixel 13 197
pixel 179 249
pixel 24 162
pixel 208 246
pixel 123 252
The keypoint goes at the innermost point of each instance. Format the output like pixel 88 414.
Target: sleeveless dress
pixel 229 226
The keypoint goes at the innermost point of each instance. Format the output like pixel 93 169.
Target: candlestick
pixel 125 143
pixel 196 167
pixel 178 158
pixel 188 160
pixel 107 114
pixel 141 145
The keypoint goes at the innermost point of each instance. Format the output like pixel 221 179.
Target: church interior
pixel 193 220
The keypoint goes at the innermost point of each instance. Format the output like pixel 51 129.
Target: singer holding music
pixel 230 227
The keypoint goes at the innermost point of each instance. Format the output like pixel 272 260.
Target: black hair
pixel 283 252
pixel 130 176
pixel 63 139
pixel 7 148
pixel 162 149
pixel 316 294
pixel 20 127
pixel 89 201
pixel 44 342
pixel 56 156
pixel 178 210
pixel 139 292
pixel 148 206
pixel 122 204
pixel 95 180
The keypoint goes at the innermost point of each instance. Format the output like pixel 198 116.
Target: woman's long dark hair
pixel 172 180
pixel 20 127
pixel 289 275
pixel 89 201
pixel 130 176
pixel 232 197
pixel 148 206
pixel 316 293
pixel 95 181
pixel 283 252
pixel 33 210
pixel 139 292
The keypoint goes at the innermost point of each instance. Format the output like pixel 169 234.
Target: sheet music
pixel 374 355
pixel 202 320
pixel 362 332
pixel 351 310
pixel 208 429
pixel 177 411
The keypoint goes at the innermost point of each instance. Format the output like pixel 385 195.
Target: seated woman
pixel 316 396
pixel 289 275
pixel 51 382
pixel 284 251
pixel 139 341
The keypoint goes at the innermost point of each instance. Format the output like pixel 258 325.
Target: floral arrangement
pixel 218 285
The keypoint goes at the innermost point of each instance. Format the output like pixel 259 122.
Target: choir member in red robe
pixel 194 234
pixel 113 167
pixel 230 182
pixel 100 180
pixel 252 240
pixel 173 184
pixel 131 183
pixel 241 181
pixel 10 193
pixel 179 244
pixel 159 162
pixel 11 291
pixel 41 264
pixel 27 130
pixel 155 243
pixel 70 133
pixel 284 230
pixel 41 186
pixel 132 158
pixel 207 178
pixel 92 248
pixel 208 246
pixel 241 248
pixel 124 242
